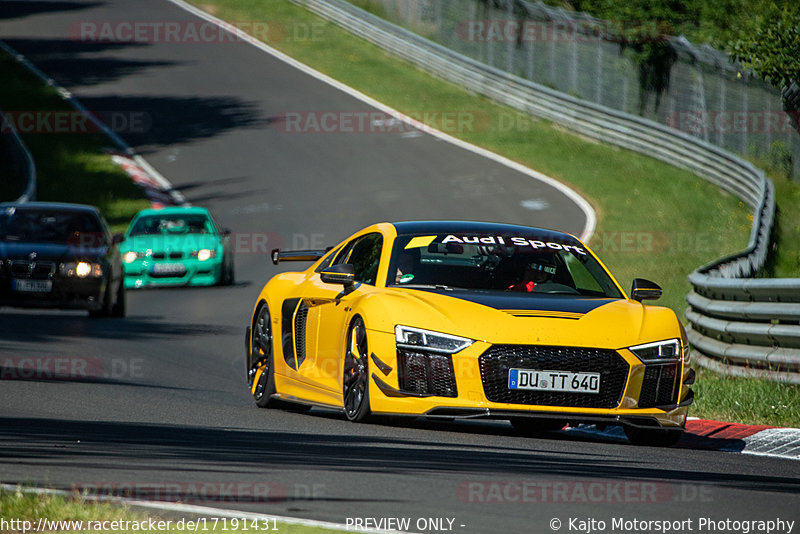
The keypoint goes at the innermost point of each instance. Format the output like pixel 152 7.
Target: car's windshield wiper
pixel 428 286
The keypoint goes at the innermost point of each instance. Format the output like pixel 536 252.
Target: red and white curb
pixel 706 434
pixel 157 189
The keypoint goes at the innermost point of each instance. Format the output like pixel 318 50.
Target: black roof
pixel 475 227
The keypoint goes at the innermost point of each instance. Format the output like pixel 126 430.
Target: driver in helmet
pixel 539 270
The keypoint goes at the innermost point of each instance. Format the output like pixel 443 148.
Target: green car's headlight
pixel 204 254
pixel 669 349
pixel 408 336
pixel 131 256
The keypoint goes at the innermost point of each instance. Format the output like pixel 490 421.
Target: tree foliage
pixel 763 35
pixel 769 43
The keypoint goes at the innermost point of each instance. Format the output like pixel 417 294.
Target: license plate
pixel 169 268
pixel 554 381
pixel 33 286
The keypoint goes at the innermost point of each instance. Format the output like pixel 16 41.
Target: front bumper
pixel 144 273
pixel 66 293
pixel 390 394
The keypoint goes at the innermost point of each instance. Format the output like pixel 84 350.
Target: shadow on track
pixel 17 9
pixel 149 120
pixel 171 448
pixel 48 327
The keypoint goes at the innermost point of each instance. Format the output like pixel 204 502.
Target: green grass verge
pixel 71 167
pixel 22 506
pixel 654 220
pixel 785 261
pixel 745 400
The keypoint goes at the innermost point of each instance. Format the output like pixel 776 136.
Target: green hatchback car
pixel 176 246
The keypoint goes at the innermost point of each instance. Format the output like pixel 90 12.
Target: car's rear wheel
pixel 653 437
pixel 355 382
pixel 261 372
pixel 532 426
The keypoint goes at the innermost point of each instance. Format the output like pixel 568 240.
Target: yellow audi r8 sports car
pixel 466 319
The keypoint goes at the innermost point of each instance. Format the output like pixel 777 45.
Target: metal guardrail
pixel 22 161
pixel 731 319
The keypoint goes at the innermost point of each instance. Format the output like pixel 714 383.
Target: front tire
pixel 226 278
pixel 261 371
pixel 653 437
pixel 355 380
pixel 119 304
pixel 106 308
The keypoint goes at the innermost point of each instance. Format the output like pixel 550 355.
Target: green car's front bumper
pixel 186 272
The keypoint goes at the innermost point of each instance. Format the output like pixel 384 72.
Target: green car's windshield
pixel 172 224
pixel 522 263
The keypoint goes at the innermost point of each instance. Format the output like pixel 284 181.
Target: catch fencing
pixel 691 88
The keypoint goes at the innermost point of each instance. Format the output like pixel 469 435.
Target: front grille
pixel 426 373
pixel 497 360
pixel 37 270
pixel 158 255
pixel 300 319
pixel 660 384
pixel 175 255
pixel 168 275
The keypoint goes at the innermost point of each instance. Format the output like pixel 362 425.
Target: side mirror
pixel 116 239
pixel 342 273
pixel 225 232
pixel 642 289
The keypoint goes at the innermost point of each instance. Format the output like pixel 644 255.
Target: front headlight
pixel 658 351
pixel 408 336
pixel 131 256
pixel 204 253
pixel 82 269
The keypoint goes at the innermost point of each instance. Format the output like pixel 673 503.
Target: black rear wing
pixel 279 255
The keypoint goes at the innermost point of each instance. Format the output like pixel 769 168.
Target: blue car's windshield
pixel 520 263
pixel 44 225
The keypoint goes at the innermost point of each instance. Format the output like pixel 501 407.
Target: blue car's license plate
pixel 32 286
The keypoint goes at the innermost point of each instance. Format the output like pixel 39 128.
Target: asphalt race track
pixel 156 404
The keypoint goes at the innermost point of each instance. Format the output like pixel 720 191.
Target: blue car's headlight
pixel 408 336
pixel 82 269
pixel 669 349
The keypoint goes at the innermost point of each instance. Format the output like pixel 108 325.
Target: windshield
pixel 41 225
pixel 172 224
pixel 524 263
